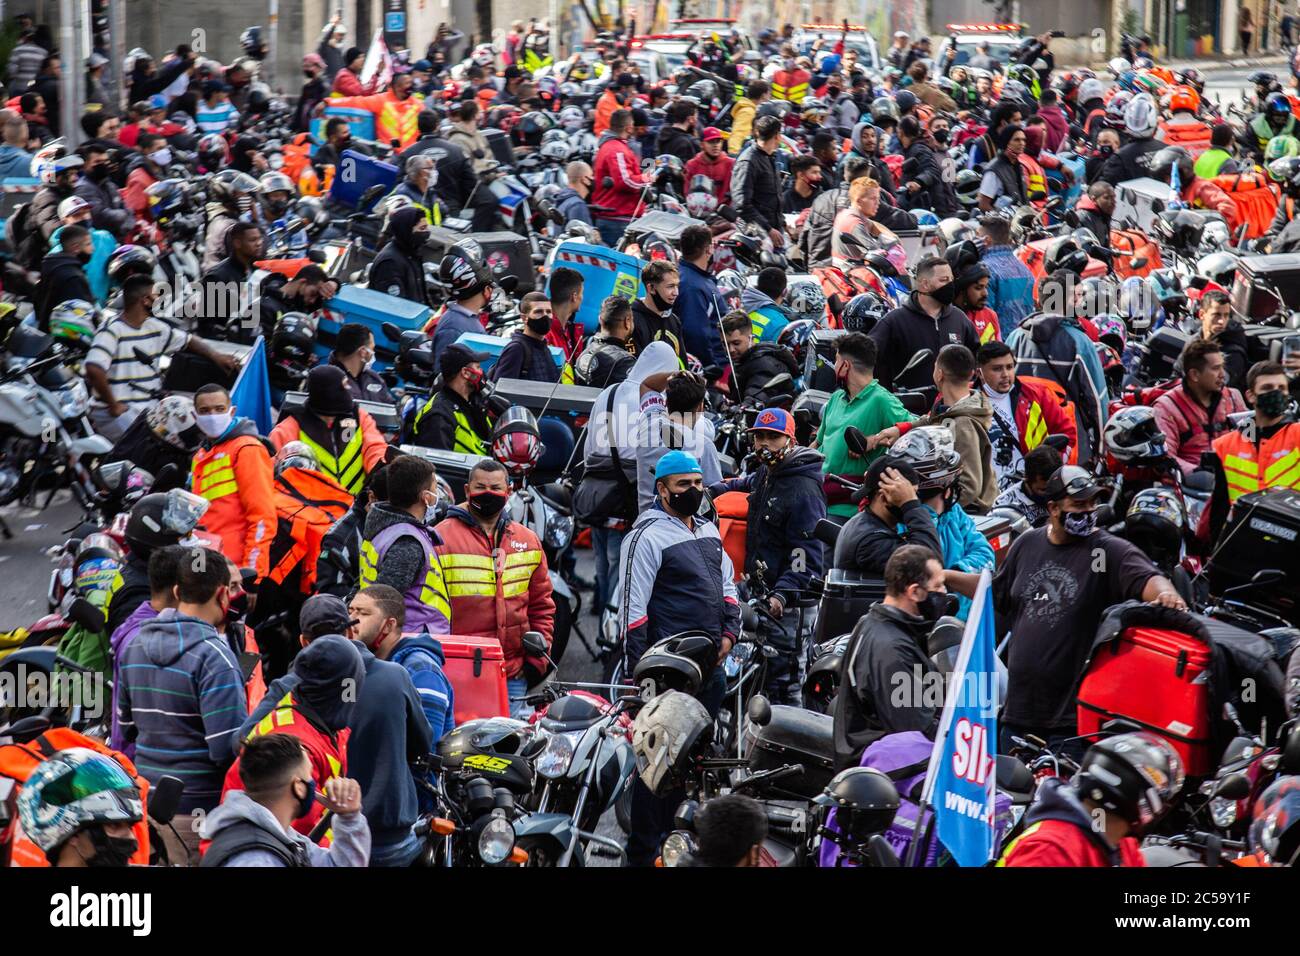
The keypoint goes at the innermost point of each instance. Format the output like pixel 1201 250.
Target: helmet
pixel 1183 98
pixel 99 560
pixel 796 336
pixel 882 107
pixel 1111 330
pixel 930 450
pixel 1263 78
pixel 509 746
pixel 1132 435
pixel 72 790
pixel 483 54
pixel 701 204
pixel 953 230
pixel 1118 66
pixel 804 297
pixel 671 166
pixel 1277 105
pixel 865 801
pixel 1280 147
pixel 666 736
pixel 680 662
pixel 214 151
pixel 1180 228
pixel 1148 83
pixel 1192 78
pixel 277 182
pixel 230 186
pixel 463 271
pixel 163 518
pixel 516 441
pixel 573 118
pixel 1065 253
pixel 706 91
pixel 1115 109
pixel 1274 836
pixel 814 109
pixel 50 161
pixel 556 151
pixel 128 260
pixel 962 255
pixel 313 61
pixel 1220 267
pixel 967 187
pixel 530 128
pixel 1027 76
pixel 252 43
pixel 295 454
pixel 1141 117
pixel 1162 164
pixel 73 321
pixel 173 421
pixel 1013 91
pixel 294 338
pixel 863 311
pixel 1091 90
pixel 312 211
pixel 1156 517
pixel 555 135
pixel 1134 775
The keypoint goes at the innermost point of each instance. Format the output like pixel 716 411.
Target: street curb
pixel 1205 63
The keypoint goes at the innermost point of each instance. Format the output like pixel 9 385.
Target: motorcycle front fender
pixel 560 586
pixel 553 829
pixel 89 446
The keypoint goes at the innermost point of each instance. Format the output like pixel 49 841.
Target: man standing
pixel 566 288
pixel 762 302
pixel 354 352
pixel 606 359
pixel 972 283
pixel 64 275
pixel 755 183
pixel 619 184
pixel 743 112
pixel 1265 451
pixel 454 179
pixel 1011 284
pixel 1095 210
pixel 1193 413
pixel 108 212
pixel 677 135
pixel 653 316
pixel 471 287
pixel 497 578
pixel 927 320
pixel 233 471
pixel 527 355
pixel 396 110
pixel 1219 325
pixel 712 162
pixel 455 418
pixel 1024 413
pixel 571 201
pixel 699 307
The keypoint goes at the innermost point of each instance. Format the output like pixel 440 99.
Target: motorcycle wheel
pixel 623 809
pixel 543 854
pixel 561 629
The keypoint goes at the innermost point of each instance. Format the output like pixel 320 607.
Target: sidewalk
pixel 1213 62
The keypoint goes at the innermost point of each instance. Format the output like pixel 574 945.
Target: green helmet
pixel 74 789
pixel 74 321
pixel 1280 147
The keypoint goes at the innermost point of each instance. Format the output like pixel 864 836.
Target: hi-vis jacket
pixel 1273 462
pixel 394 119
pixel 234 473
pixel 347 452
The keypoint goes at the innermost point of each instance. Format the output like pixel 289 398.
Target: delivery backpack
pixel 1255 197
pixel 733 521
pixel 1134 244
pixel 904 758
pixel 18 760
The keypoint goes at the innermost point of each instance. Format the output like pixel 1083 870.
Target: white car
pixel 858 38
pixel 1003 40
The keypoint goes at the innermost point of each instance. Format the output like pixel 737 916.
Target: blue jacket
pixel 422 656
pixel 455 320
pixel 964 548
pixel 700 310
pixel 14 162
pixel 572 206
pixel 389 730
pixel 182 702
pixel 1011 287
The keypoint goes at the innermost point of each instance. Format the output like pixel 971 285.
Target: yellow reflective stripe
pixel 1035 429
pixel 266 725
pixel 515 589
pixel 1011 847
pixel 369 564
pixel 1280 465
pixel 220 491
pixel 471 590
pixel 467 441
pixel 436 601
pixel 335 765
pixel 1243 465
pixel 284 716
pixel 327 461
pixel 212 476
pixel 456 560
pixel 757 324
pixel 460 575
pixel 523 557
pixel 519 573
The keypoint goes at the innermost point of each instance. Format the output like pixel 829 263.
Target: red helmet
pixel 516 441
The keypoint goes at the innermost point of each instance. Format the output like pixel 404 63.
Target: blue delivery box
pixel 604 272
pixel 493 346
pixel 371 309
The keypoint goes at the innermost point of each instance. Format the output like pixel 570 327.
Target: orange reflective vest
pixel 362 448
pixel 236 477
pixel 790 85
pixel 1272 463
pixel 394 119
pixel 1035 178
pixel 307 503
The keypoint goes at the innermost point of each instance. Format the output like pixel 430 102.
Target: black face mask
pixel 541 325
pixel 305 803
pixel 99 173
pixel 662 304
pixel 686 503
pixel 84 257
pixel 933 606
pixel 488 503
pixel 110 851
pixel 1105 150
pixel 941 137
pixel 945 294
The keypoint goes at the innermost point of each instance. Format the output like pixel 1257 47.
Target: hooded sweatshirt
pixel 121 637
pixel 63 278
pixel 350 847
pixel 423 658
pixel 181 703
pixel 969 420
pixel 617 423
pixel 397 269
pixel 572 206
pixel 97 268
pixel 751 301
pixel 909 329
pixel 404 563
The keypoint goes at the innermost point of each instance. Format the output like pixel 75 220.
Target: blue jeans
pixel 606 544
pixel 397 854
pixel 611 230
pixel 517 687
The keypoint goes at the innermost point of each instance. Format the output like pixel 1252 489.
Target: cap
pixel 710 132
pixel 157 102
pixel 1071 481
pixel 323 614
pixel 422 66
pixel 95 60
pixel 774 420
pixel 900 33
pixel 215 86
pixel 456 356
pixel 71 206
pixel 677 463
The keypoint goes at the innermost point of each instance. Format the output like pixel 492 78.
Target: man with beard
pixel 1195 411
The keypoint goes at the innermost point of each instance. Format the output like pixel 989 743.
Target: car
pixel 857 38
pixel 671 47
pixel 1003 40
pixel 651 64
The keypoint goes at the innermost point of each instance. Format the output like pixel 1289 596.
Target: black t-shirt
pixel 1053 597
pixel 794 203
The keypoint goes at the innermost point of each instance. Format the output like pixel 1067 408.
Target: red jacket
pixel 1038 415
pixel 347 83
pixel 1186 423
pixel 134 193
pixel 498 588
pixel 719 170
pixel 986 324
pixel 1206 194
pixel 616 161
pixel 1059 843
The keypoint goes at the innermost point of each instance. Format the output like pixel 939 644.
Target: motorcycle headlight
pixel 496 840
pixel 74 400
pixel 554 761
pixel 677 848
pixel 1223 812
pixel 559 530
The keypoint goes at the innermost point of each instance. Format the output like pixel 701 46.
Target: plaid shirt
pixel 1011 287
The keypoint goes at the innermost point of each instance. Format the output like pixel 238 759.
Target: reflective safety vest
pixel 245 525
pixel 1210 162
pixel 467 441
pixel 758 324
pixel 474 575
pixel 427 607
pixel 1273 463
pixel 1035 427
pixel 534 61
pixel 349 467
pixel 398 120
pixel 307 505
pixel 790 85
pixel 1263 132
pixel 1035 178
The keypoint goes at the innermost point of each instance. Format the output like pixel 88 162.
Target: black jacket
pixel 456 179
pixel 886 643
pixel 922 167
pixel 225 275
pixel 338 568
pixel 366 387
pixel 761 363
pixel 437 429
pixel 1131 162
pixel 131 593
pixel 526 358
pixel 1236 354
pixel 63 278
pixel 1096 222
pixel 909 329
pixel 398 272
pixel 865 543
pixel 756 189
pixel 603 362
pixel 676 142
pixel 42 220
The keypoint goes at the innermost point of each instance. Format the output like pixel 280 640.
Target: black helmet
pixel 233 189
pixel 865 801
pixel 1180 228
pixel 881 266
pixel 1134 775
pixel 1065 253
pixel 163 519
pixel 796 336
pixel 930 450
pixel 1156 520
pixel 967 187
pixel 681 662
pixel 252 43
pixel 127 260
pixel 499 748
pixel 906 101
pixel 463 271
pixel 1163 162
pixel 531 128
pixel 863 312
pixel 882 108
pixel 1274 835
pixel 1262 78
pixel 294 338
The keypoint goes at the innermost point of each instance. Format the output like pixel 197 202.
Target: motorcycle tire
pixel 561 629
pixel 623 809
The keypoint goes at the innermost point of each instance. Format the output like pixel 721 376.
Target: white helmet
pixel 1091 89
pixel 806 299
pixel 484 55
pixel 666 735
pixel 1119 66
pixel 174 422
pixel 48 162
pixel 1141 116
pixel 295 454
pixel 573 118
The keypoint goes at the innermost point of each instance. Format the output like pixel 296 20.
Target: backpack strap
pixel 247 835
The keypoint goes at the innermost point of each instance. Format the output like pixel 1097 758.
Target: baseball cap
pixel 95 60
pixel 71 206
pixel 157 102
pixel 1071 481
pixel 774 420
pixel 323 614
pixel 677 463
pixel 626 79
pixel 514 72
pixel 215 86
pixel 710 132
pixel 456 356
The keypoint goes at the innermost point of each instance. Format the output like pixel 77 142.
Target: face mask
pixel 1080 524
pixel 84 257
pixel 1105 150
pixel 306 803
pixel 941 137
pixel 238 608
pixel 662 304
pixel 475 377
pixel 945 294
pixel 214 425
pixel 161 157
pixel 686 503
pixel 110 851
pixel 540 324
pixel 770 457
pixel 309 74
pixel 1272 404
pixel 488 503
pixel 789 64
pixel 99 173
pixel 369 361
pixel 933 606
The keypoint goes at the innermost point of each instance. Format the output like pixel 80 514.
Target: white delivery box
pixel 1138 201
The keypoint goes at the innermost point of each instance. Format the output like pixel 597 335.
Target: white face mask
pixel 215 426
pixel 162 157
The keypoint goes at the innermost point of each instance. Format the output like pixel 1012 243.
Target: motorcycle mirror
pixel 557 217
pixel 169 476
pixel 392 331
pixel 373 193
pixel 684 818
pixel 827 531
pixel 1157 206
pixel 87 616
pixel 727 213
pixel 855 440
pixel 917 359
pixel 165 799
pixel 534 643
pixel 880 853
pixel 1268 577
pixel 1235 786
pixel 317 256
pixel 759 711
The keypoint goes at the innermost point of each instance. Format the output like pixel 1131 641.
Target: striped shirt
pixel 113 350
pixel 215 119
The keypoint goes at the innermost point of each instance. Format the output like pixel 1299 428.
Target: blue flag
pixel 251 395
pixel 961 785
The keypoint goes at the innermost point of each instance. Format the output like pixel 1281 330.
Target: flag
pixel 1175 188
pixel 961 785
pixel 378 61
pixel 251 395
